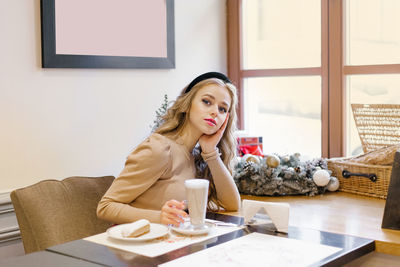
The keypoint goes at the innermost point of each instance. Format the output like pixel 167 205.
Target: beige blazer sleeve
pixel 144 166
pixel 227 192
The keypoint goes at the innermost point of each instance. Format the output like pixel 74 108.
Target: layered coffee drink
pixel 197 196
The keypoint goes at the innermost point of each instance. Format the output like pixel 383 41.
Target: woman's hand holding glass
pixel 173 212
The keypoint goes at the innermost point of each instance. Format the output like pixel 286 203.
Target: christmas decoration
pixel 333 184
pixel 286 158
pixel 252 158
pixel 321 177
pixel 273 161
pixel 290 177
pixel 160 113
pixel 250 145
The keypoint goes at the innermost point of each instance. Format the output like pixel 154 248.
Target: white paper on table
pixel 257 249
pixel 159 246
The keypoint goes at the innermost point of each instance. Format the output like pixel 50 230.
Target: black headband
pixel 206 76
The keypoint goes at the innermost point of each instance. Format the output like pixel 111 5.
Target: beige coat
pixel 154 173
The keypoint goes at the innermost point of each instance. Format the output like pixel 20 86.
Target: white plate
pixel 187 229
pixel 156 230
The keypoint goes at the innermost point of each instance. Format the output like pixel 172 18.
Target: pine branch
pixel 160 112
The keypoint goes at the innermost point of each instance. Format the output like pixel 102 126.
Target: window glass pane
pixel 373 32
pixel 368 89
pixel 286 112
pixel 281 34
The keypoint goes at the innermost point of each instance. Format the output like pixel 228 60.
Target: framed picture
pixel 108 34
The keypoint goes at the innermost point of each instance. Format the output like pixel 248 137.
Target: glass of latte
pixel 196 196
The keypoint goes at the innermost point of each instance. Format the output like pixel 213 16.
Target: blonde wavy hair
pixel 176 118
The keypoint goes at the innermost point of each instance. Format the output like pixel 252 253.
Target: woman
pixel 151 186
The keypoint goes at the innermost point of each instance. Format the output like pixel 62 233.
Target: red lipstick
pixel 211 122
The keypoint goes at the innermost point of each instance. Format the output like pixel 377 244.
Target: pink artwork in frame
pixel 107 34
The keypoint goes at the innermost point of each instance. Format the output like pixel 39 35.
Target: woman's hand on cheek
pixel 172 212
pixel 208 143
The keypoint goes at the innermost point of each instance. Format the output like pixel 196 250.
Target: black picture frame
pixel 52 60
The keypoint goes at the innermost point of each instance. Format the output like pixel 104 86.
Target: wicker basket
pixel 376 185
pixel 378 125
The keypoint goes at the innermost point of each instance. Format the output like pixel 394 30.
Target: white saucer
pixel 156 230
pixel 188 229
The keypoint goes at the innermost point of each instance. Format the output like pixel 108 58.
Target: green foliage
pixel 160 112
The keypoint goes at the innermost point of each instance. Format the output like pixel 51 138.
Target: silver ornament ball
pixel 333 184
pixel 321 177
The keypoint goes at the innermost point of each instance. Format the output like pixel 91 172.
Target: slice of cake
pixel 136 229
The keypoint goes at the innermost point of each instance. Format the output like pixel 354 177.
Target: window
pixel 372 44
pixel 299 65
pixel 286 111
pixel 272 40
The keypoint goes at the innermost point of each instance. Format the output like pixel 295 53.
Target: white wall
pixel 56 123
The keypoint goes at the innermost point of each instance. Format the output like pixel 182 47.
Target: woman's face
pixel 209 109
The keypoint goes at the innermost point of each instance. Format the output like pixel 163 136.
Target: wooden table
pixel 341 213
pixel 352 247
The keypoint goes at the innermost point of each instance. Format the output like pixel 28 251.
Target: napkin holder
pixel 259 212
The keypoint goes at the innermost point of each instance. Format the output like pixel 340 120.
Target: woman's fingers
pixel 175 203
pixel 172 213
pixel 170 219
pixel 221 130
pixel 173 220
pixel 209 142
pixel 223 126
pixel 175 212
pixel 167 220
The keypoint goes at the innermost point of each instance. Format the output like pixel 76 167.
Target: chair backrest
pixel 52 212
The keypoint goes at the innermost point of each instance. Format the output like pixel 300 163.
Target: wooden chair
pixel 52 212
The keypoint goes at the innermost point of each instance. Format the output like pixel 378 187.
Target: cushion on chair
pixel 52 212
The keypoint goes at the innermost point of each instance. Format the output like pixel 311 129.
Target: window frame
pixel 333 71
